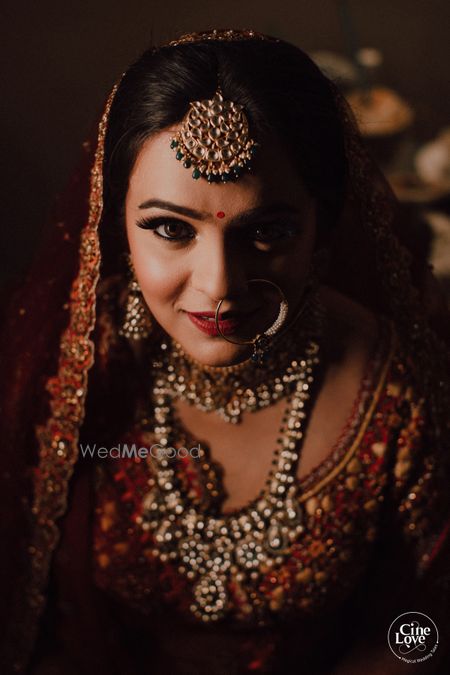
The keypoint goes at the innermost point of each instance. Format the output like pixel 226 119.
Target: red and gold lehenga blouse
pixel 380 480
pixel 82 589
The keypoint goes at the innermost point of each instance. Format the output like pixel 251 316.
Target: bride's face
pixel 193 244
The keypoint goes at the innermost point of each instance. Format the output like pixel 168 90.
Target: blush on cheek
pixel 160 285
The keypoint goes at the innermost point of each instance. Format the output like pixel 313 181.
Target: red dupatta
pixel 49 349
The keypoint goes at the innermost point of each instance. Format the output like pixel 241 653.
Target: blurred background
pixel 391 57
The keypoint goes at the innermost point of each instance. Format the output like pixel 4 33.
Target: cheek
pixel 301 253
pixel 301 257
pixel 293 264
pixel 160 275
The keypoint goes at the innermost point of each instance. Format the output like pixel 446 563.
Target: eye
pixel 272 232
pixel 170 229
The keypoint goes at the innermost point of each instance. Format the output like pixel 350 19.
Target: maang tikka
pixel 214 140
pixel 137 324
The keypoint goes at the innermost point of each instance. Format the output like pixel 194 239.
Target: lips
pixel 228 321
pixel 222 315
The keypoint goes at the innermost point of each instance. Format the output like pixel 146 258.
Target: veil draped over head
pixel 51 340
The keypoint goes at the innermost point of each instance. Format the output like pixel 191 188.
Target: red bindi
pixel 220 214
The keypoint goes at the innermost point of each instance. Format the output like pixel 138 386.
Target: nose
pixel 219 270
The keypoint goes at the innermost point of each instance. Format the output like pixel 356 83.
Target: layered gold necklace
pixel 208 547
pixel 231 390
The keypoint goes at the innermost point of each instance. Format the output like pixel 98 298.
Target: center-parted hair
pixel 283 92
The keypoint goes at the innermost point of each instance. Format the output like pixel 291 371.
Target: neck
pixel 229 390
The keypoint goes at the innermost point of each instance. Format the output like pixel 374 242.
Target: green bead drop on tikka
pixel 226 177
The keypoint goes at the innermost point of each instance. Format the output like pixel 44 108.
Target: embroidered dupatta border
pixel 58 438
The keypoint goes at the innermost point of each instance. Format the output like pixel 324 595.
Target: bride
pixel 236 287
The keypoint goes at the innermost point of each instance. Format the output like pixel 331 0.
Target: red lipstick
pixel 208 325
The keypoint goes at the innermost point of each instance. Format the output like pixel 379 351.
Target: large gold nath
pixel 214 140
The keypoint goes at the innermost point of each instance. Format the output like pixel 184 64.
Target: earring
pixel 137 324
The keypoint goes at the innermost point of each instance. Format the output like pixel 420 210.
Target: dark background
pixel 60 60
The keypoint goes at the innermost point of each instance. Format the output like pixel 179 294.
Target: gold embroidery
pixel 59 435
pixel 352 481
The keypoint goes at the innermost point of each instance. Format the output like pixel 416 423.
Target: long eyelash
pixel 285 230
pixel 153 223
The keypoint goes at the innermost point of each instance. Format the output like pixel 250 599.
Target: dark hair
pixel 283 93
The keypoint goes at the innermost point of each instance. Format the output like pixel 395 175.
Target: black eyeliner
pixel 153 223
pixel 284 230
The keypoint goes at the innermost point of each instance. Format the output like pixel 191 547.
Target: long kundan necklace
pixel 208 547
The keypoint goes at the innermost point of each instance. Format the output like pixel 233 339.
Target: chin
pixel 217 353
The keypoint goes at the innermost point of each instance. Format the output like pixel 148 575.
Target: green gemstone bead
pixel 174 144
pixel 196 174
pixel 179 155
pixel 187 163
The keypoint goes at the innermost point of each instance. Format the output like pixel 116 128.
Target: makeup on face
pixel 189 252
pixel 229 322
pixel 265 224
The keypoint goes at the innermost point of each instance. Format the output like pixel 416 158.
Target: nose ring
pixel 262 342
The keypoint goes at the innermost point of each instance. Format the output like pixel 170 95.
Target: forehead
pixel 157 174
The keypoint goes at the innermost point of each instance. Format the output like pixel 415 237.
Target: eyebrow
pixel 176 208
pixel 239 220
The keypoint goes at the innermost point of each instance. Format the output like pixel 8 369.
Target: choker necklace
pixel 230 390
pixel 212 549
